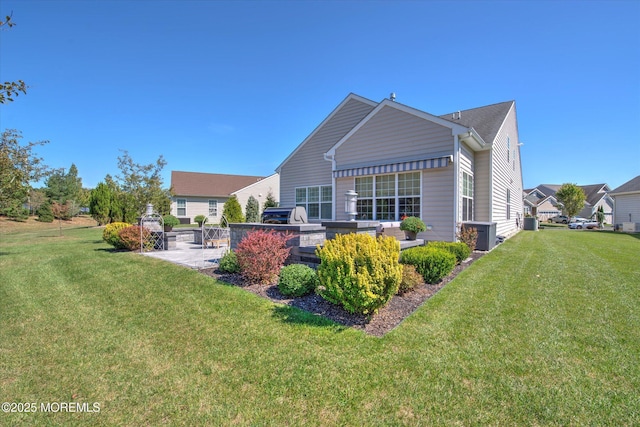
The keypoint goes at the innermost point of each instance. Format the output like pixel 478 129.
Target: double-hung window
pixel 508 204
pixel 467 197
pixel 316 200
pixel 213 208
pixel 181 207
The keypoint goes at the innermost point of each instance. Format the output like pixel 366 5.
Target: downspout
pixel 456 184
pixel 332 158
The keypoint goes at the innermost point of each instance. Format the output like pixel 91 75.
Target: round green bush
pixel 110 234
pixel 297 280
pixel 170 221
pixel 432 263
pixel 229 263
pixel 459 249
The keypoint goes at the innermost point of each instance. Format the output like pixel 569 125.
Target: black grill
pixel 296 215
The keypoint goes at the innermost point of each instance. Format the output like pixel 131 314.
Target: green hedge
pixel 432 263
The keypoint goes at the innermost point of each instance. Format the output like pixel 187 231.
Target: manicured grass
pixel 544 330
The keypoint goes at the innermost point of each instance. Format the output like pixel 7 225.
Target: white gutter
pixel 456 186
pixel 331 157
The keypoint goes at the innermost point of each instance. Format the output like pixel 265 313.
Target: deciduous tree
pixel 572 198
pixel 19 166
pixel 144 183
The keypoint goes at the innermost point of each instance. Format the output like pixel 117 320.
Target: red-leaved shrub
pixel 134 237
pixel 261 254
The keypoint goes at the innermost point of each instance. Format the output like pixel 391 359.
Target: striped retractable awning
pixel 438 162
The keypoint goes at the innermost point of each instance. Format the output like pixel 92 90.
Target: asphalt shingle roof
pixel 485 120
pixel 629 186
pixel 209 184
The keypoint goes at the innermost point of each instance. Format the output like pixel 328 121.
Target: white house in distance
pixel 445 169
pixel 197 193
pixel 626 213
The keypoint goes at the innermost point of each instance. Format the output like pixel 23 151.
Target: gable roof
pixel 201 184
pixel 350 97
pixel 486 120
pixel 593 193
pixel 631 186
pixel 457 127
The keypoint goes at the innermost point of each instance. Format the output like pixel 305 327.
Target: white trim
pixel 455 128
pixel 456 186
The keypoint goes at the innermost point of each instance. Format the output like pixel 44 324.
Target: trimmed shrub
pixel 459 249
pixel 261 254
pixel 200 219
pixel 110 234
pixel 432 263
pixel 297 280
pixel 410 279
pixel 359 272
pixel 170 221
pixel 135 237
pixel 229 263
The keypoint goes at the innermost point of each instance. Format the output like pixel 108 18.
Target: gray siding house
pixel 627 205
pixel 446 169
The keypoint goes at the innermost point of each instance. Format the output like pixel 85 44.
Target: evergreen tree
pixel 270 202
pixel 44 212
pixel 232 212
pixel 100 203
pixel 253 210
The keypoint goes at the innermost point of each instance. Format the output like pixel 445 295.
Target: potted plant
pixel 200 219
pixel 170 221
pixel 412 225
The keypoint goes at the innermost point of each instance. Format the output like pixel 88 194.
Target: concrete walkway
pixel 191 255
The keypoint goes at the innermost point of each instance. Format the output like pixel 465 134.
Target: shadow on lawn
pixel 294 315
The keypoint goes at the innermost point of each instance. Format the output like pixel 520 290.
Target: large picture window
pixel 467 197
pixel 181 207
pixel 316 200
pixel 388 197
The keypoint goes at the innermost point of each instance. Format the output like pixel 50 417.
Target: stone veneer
pixel 303 234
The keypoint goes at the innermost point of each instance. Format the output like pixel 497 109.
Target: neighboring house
pixel 541 203
pixel 401 161
pixel 627 204
pixel 544 204
pixel 197 193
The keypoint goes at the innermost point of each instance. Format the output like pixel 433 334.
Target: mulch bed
pixel 387 318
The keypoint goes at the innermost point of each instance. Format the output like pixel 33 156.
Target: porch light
pixel 350 204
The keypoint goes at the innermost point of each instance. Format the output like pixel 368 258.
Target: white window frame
pixel 377 192
pixel 321 201
pixel 467 196
pixel 178 207
pixel 213 212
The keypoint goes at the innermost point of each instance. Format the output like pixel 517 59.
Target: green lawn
pixel 544 330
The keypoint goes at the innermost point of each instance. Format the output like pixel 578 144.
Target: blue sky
pixel 234 87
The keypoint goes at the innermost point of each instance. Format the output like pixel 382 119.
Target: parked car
pixel 560 219
pixel 583 224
